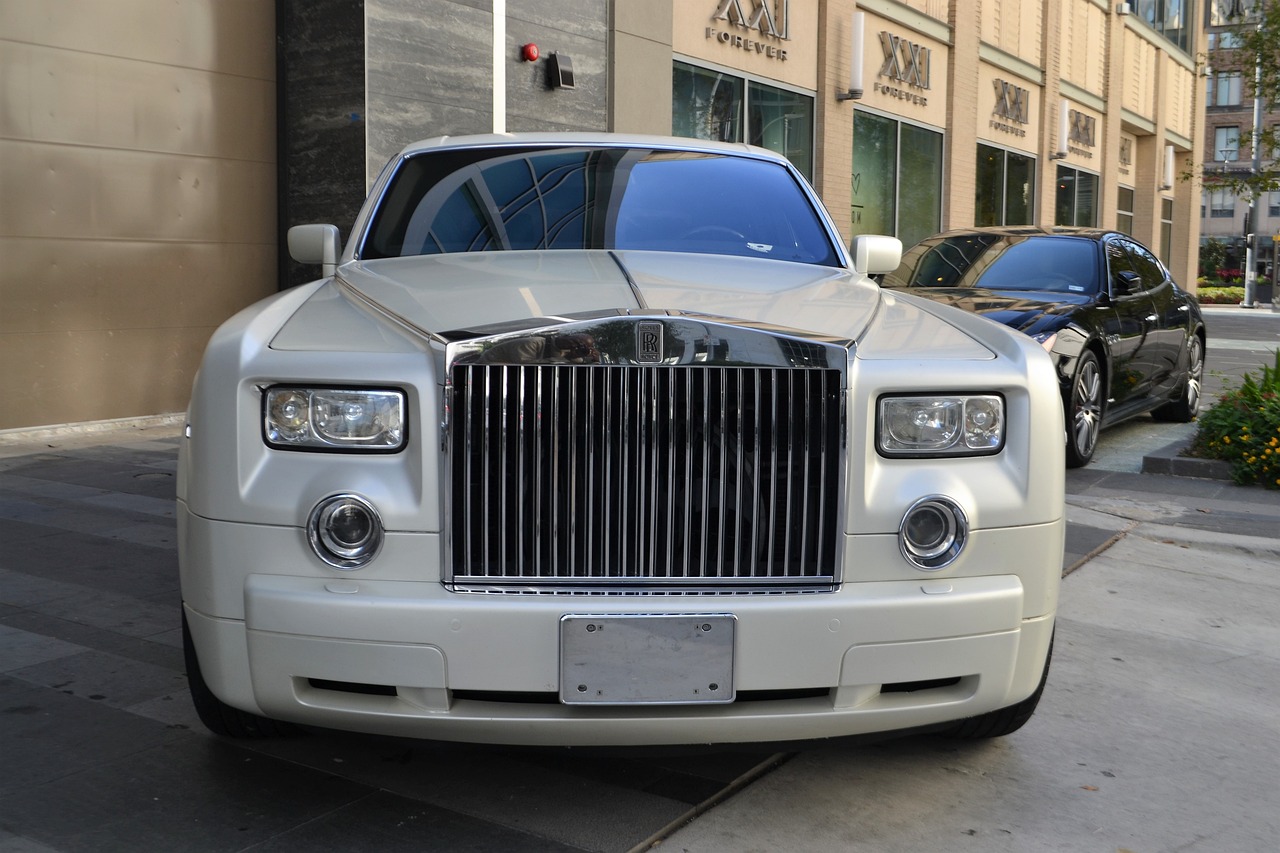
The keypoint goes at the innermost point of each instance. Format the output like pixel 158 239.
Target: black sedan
pixel 1126 339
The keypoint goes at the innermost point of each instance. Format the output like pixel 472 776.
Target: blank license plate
pixel 659 659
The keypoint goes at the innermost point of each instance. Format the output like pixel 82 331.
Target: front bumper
pixel 407 657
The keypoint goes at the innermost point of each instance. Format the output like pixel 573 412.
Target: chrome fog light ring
pixel 933 532
pixel 345 531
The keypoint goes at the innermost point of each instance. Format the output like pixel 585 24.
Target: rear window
pixel 500 199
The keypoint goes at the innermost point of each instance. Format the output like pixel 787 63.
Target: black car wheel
pixel 1184 408
pixel 1084 411
pixel 219 717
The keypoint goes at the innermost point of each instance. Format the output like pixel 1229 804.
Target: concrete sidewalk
pixel 1158 730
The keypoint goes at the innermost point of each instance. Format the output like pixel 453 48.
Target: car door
pixel 1130 326
pixel 1167 338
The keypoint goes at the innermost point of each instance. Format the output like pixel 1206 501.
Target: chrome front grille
pixel 657 477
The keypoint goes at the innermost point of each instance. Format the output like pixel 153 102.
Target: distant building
pixel 1228 129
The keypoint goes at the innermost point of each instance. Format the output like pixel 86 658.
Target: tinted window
pixel 576 198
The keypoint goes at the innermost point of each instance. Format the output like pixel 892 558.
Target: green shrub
pixel 1215 295
pixel 1243 428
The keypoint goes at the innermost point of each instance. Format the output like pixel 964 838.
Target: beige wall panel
pixel 138 186
pixel 213 35
pixel 1014 27
pixel 87 285
pixel 1084 57
pixel 695 33
pixel 67 377
pixel 641 101
pixel 834 132
pixel 64 96
pixel 71 191
pixel 1178 96
pixel 1139 75
pixel 936 9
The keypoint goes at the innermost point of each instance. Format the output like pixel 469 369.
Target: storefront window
pixel 782 121
pixel 1077 198
pixel 706 104
pixel 709 104
pixel 1006 185
pixel 897 178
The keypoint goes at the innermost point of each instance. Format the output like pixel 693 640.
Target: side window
pixel 1145 265
pixel 1122 278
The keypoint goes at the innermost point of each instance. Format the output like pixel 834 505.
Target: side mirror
pixel 315 244
pixel 874 254
pixel 1126 282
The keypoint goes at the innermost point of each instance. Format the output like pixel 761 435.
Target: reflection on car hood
pixel 465 296
pixel 445 293
pixel 1021 310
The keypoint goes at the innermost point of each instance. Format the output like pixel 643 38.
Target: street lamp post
pixel 1255 164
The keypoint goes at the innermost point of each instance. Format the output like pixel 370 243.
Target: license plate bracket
pixel 647 659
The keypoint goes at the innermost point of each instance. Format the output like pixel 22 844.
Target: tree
pixel 1256 55
pixel 1213 256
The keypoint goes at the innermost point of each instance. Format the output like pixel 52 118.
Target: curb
pixel 88 429
pixel 1169 460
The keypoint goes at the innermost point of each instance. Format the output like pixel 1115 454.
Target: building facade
pixel 1228 148
pixel 909 117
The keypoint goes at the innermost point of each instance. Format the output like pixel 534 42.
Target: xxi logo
pixel 904 61
pixel 1082 128
pixel 1012 102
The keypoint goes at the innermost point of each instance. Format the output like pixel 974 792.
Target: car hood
pixel 461 296
pixel 1026 311
pixel 449 293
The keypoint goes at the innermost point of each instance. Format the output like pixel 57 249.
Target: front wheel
pixel 219 717
pixel 1084 411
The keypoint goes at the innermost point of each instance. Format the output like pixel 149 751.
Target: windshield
pixel 999 262
pixel 497 199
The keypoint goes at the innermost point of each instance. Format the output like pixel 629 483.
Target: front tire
pixel 1084 410
pixel 219 717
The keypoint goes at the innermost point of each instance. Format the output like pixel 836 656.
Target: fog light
pixel 933 532
pixel 345 531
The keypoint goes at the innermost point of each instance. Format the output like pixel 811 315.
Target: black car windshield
pixel 999 262
pixel 498 199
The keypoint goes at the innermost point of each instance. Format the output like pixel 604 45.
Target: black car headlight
pixel 301 418
pixel 940 425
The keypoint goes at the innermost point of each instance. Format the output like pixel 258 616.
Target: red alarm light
pixel 529 52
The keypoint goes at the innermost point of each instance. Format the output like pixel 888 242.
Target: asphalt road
pixel 102 750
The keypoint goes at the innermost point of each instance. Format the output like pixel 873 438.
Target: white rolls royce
pixel 609 440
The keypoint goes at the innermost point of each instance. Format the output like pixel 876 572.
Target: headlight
pixel 941 425
pixel 333 419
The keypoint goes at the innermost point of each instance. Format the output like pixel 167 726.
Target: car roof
pixel 586 138
pixel 1030 231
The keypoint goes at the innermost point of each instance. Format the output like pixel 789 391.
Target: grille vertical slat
pixel 688 477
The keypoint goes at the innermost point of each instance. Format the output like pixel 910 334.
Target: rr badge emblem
pixel 649 342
